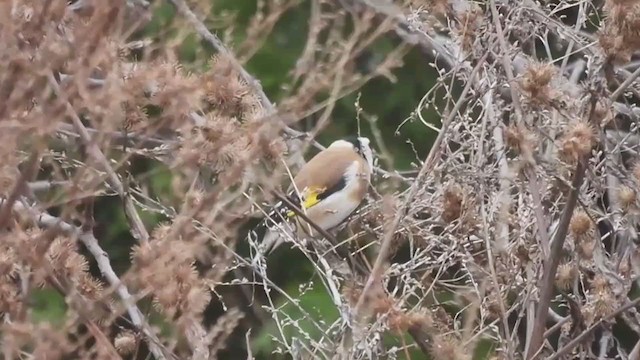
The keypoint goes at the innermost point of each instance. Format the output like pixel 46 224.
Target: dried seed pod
pixel 580 224
pixel 577 142
pixel 125 343
pixel 566 275
pixel 626 197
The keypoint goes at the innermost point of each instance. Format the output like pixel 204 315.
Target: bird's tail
pixel 265 238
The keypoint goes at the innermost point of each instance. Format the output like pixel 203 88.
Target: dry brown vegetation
pixel 518 229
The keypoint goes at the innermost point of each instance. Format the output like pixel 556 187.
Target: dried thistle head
pixel 601 299
pixel 452 203
pixel 536 82
pixel 10 299
pixel 586 248
pixel 8 261
pixel 468 24
pixel 581 225
pixel 166 269
pixel 135 117
pixel 400 321
pixel 578 140
pixel 161 231
pixel 582 230
pixel 621 34
pixel 219 144
pixel 626 198
pixel 62 248
pixel 603 113
pixel 168 86
pixel 446 347
pixel 125 343
pixel 522 141
pixel 8 176
pixel 566 275
pixel 226 92
pixel 600 283
pixel 224 327
pixel 89 286
pixel 613 45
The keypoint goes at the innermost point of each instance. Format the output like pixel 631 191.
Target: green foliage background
pixel 390 103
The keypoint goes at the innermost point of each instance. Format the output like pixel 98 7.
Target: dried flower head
pixel 125 343
pixel 586 248
pixel 603 113
pixel 620 36
pixel 467 26
pixel 8 261
pixel 166 268
pixel 581 224
pixel 8 176
pixel 604 305
pixel 626 197
pixel 446 347
pixel 600 283
pixel 400 321
pixel 578 140
pixel 522 141
pixel 10 300
pixel 225 325
pixel 536 82
pixel 566 275
pixel 135 117
pixel 452 203
pixel 226 92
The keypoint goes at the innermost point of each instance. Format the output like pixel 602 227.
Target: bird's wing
pixel 324 174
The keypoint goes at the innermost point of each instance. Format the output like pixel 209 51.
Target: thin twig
pixel 400 213
pixel 217 44
pixel 139 230
pixel 625 85
pixel 578 339
pixel 19 188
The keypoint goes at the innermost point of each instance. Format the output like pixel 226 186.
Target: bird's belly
pixel 332 211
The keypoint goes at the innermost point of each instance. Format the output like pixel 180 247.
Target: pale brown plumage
pixel 314 174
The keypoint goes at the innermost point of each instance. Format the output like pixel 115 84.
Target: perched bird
pixel 327 189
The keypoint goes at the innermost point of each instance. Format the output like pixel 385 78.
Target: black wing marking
pixel 341 184
pixel 278 213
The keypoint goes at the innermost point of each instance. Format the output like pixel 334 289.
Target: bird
pixel 328 189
